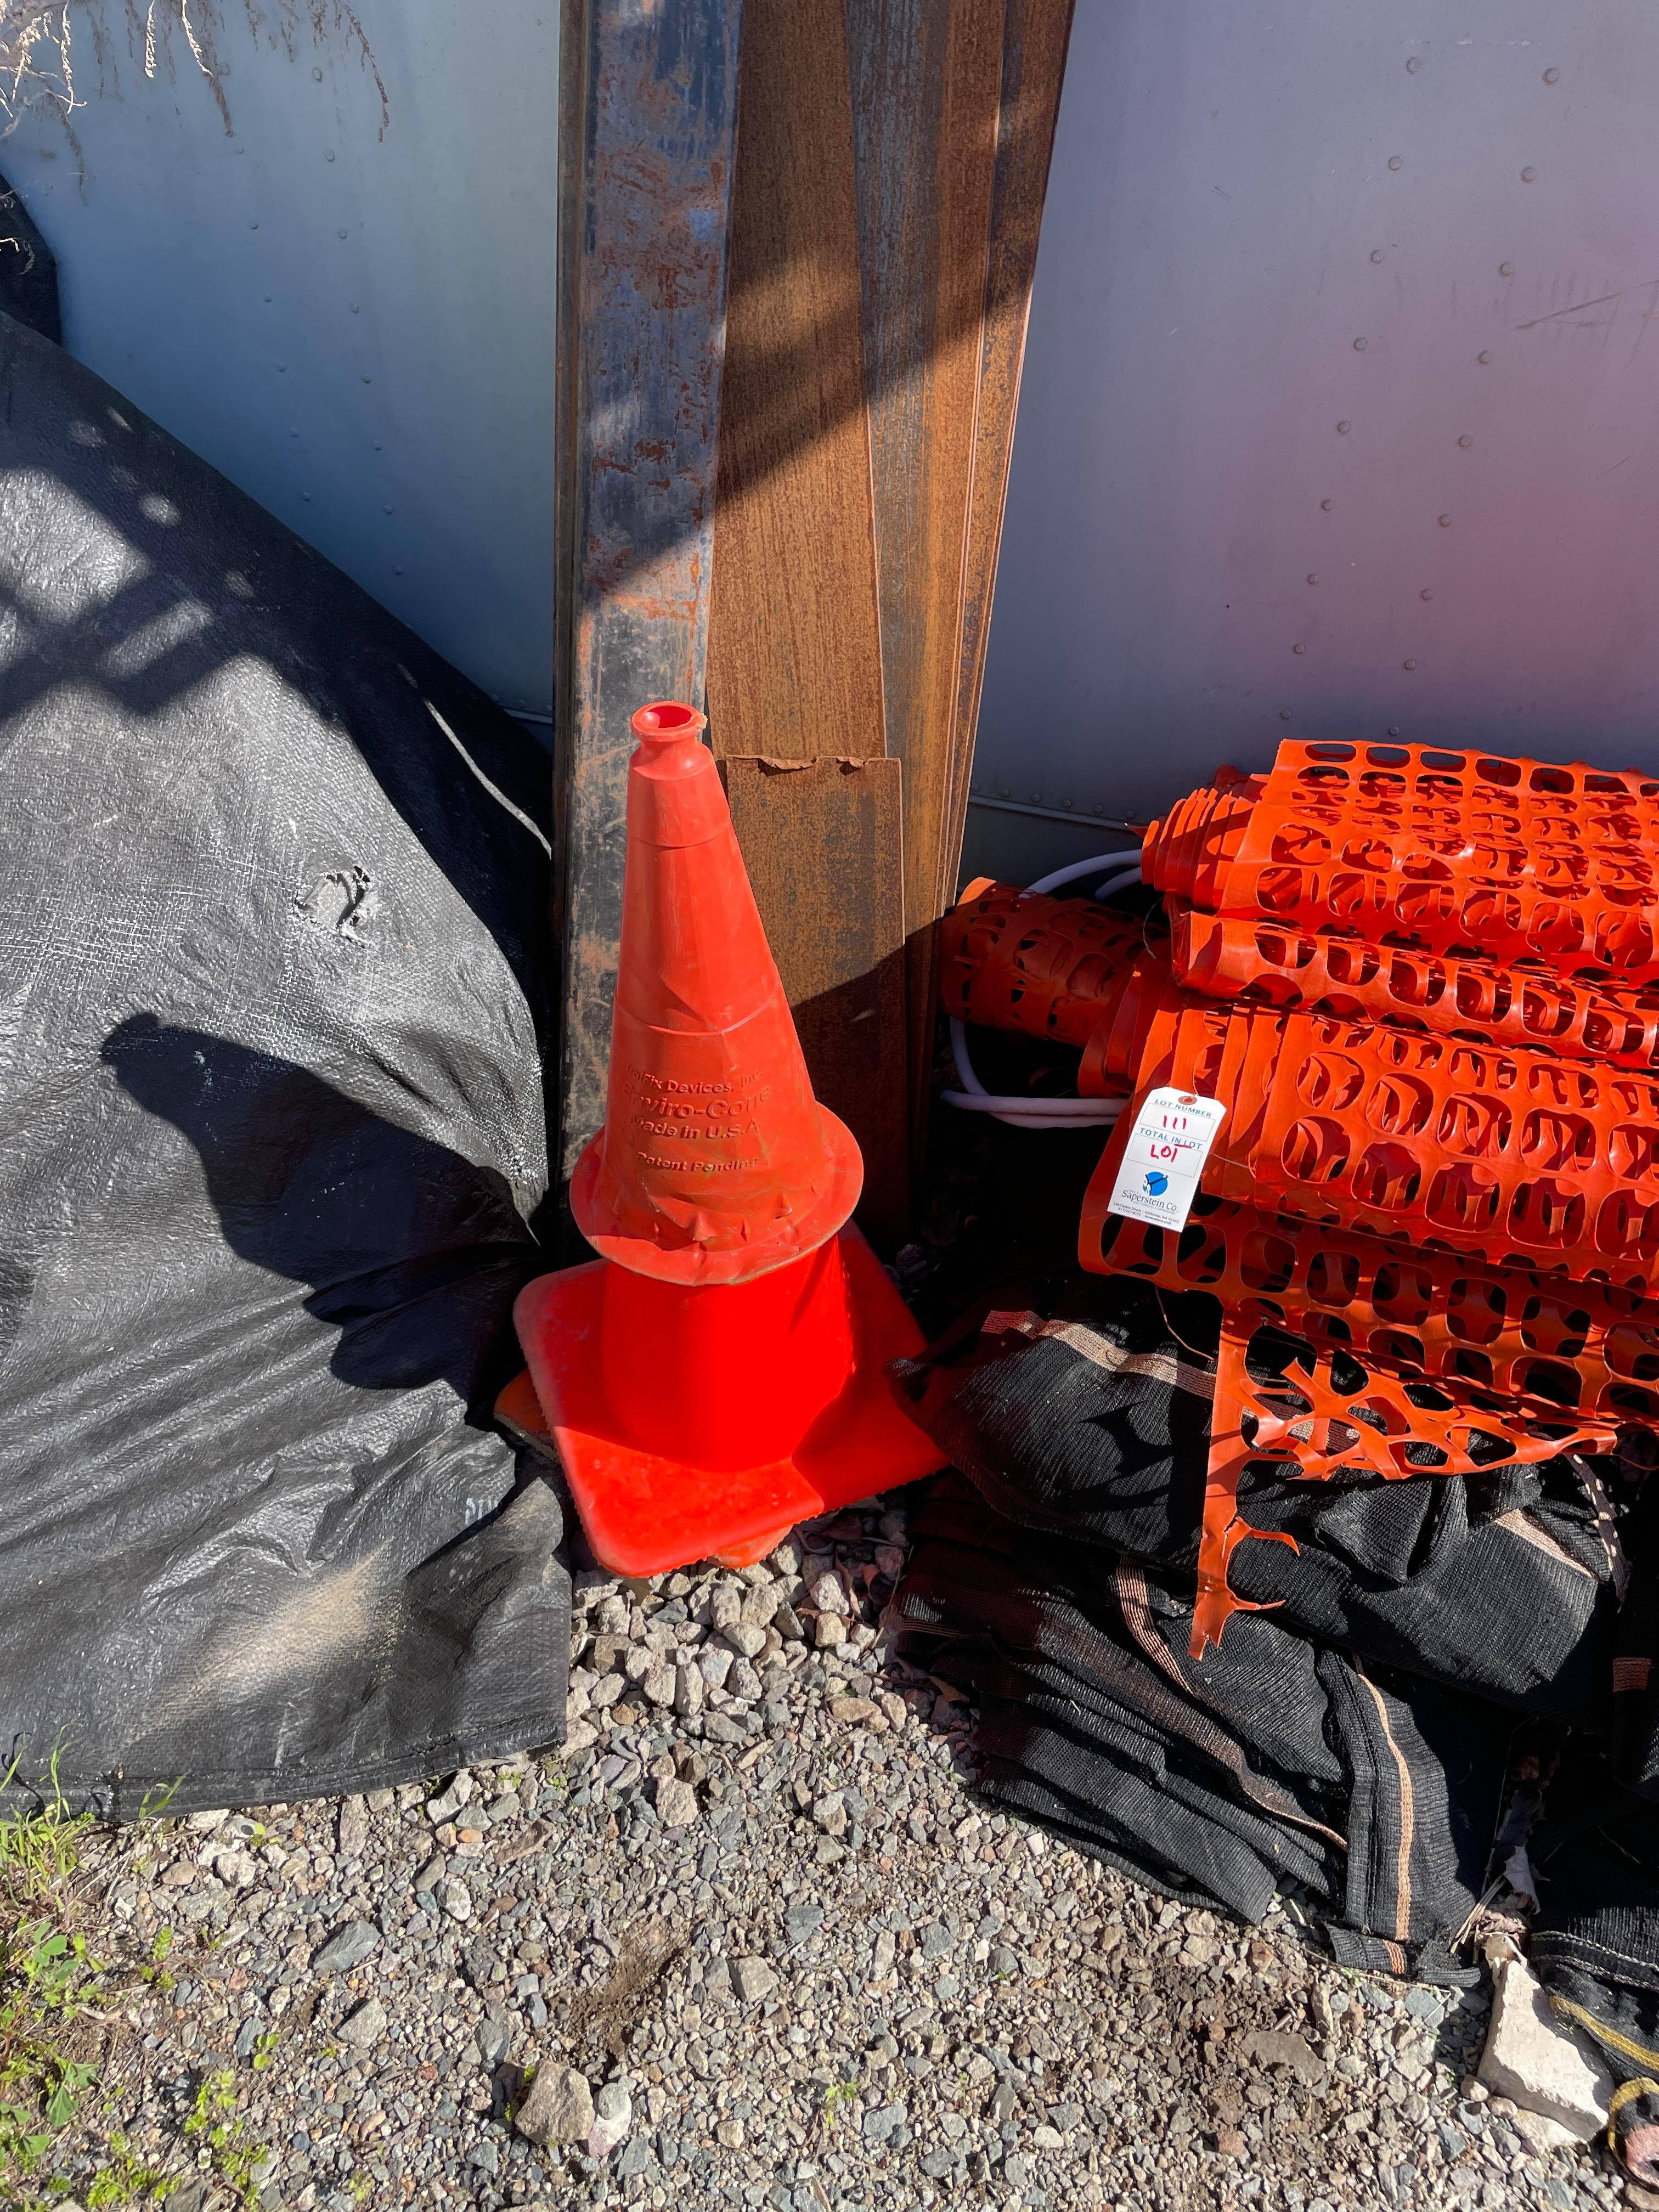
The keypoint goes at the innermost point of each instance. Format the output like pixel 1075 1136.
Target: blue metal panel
pixel 348 310
pixel 1338 291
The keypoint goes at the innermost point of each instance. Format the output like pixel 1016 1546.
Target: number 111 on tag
pixel 1165 1156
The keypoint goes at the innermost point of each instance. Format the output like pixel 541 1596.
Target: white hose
pixel 1045 1113
pixel 1108 863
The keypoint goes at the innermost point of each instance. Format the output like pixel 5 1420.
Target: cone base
pixel 645 1513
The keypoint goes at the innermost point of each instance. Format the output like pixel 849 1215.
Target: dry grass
pixel 56 54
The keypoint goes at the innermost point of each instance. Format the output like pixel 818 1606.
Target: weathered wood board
pixel 823 841
pixel 1035 41
pixel 891 157
pixel 794 648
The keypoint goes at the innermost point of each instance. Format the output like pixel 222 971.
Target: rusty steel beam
pixel 647 111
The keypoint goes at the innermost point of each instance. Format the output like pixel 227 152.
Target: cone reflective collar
pixel 717 1375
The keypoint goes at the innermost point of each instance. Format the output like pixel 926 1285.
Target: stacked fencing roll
pixel 1424 985
pixel 1507 860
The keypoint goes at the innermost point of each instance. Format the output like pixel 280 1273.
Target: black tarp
pixel 273 901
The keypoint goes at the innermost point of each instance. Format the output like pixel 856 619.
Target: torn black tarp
pixel 273 890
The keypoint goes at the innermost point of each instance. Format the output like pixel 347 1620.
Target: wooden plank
pixel 1035 42
pixel 650 94
pixel 823 841
pixel 794 645
pixel 927 77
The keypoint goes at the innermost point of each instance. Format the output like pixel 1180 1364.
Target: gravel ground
pixel 762 1944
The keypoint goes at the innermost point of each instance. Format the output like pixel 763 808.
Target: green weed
pixel 121 2180
pixel 215 2123
pixel 837 2099
pixel 50 1980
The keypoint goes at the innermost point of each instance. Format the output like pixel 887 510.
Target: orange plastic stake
pixel 716 1376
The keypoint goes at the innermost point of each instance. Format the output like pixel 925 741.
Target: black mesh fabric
pixel 1082 1404
pixel 1349 1742
pixel 1268 1764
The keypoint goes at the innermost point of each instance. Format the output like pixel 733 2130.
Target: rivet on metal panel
pixel 339 233
pixel 1343 428
pixel 1394 161
pixel 1066 804
pixel 1528 176
pixel 1284 713
pixel 1485 360
pixel 253 226
pixel 1408 663
pixel 388 510
pixel 1394 729
pixel 355 309
pixel 368 379
pixel 316 77
pixel 267 299
pixel 328 153
pixel 282 368
pixel 293 434
pixel 1466 442
pixel 1377 255
pixel 1445 522
pixel 1359 345
pixel 1415 64
pixel 1298 648
pixel 1425 595
pixel 1506 269
pixel 1313 579
pixel 1551 77
pixel 1326 505
pixel 1036 798
pixel 1004 791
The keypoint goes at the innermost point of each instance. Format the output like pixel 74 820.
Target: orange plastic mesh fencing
pixel 1448 852
pixel 1509 1341
pixel 1012 960
pixel 1508 1156
pixel 1231 957
pixel 1322 1423
pixel 1417 1363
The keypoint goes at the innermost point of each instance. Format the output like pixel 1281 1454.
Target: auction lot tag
pixel 1165 1157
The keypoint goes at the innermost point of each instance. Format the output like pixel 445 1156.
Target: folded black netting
pixel 1082 1406
pixel 273 891
pixel 1269 1763
pixel 1596 1857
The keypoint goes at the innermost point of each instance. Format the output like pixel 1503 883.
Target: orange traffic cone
pixel 716 1375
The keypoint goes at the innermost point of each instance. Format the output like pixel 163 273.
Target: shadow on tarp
pixel 273 893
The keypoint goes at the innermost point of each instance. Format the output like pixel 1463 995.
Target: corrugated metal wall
pixel 348 309
pixel 1342 292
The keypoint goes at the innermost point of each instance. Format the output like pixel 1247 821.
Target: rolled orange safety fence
pixel 1454 853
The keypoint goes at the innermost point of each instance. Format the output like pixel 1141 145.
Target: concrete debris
pixel 1533 2058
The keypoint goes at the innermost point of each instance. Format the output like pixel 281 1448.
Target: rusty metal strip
pixel 648 100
